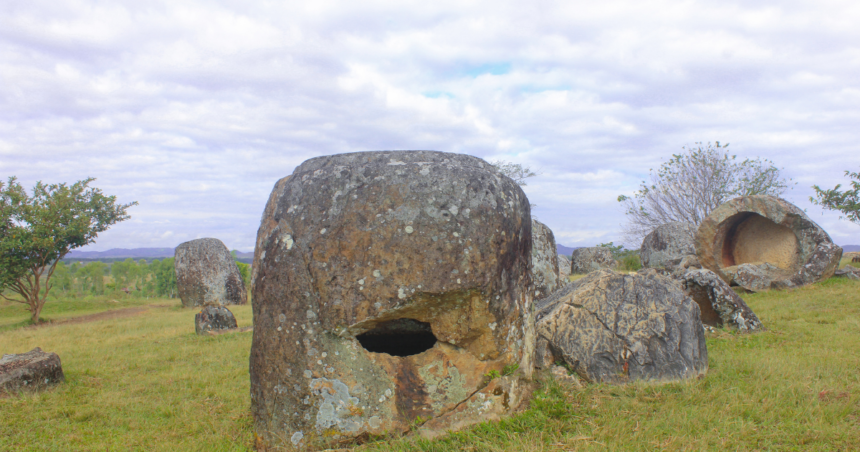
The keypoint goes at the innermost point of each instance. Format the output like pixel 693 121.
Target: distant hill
pixel 138 253
pixel 122 253
pixel 565 250
pixel 850 248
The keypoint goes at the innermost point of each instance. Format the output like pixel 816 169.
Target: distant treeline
pixel 141 278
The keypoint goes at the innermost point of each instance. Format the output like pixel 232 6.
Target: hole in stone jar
pixel 401 337
pixel 753 239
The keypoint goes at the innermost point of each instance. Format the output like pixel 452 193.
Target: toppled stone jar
pixel 33 371
pixel 207 275
pixel 390 287
pixel 764 242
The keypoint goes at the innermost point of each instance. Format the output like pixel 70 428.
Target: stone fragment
pixel 544 260
pixel 33 371
pixel 781 245
pixel 386 286
pixel 563 269
pixel 719 304
pixel 666 245
pixel 562 375
pixel 206 274
pixel 848 272
pixel 214 318
pixel 614 328
pixel 587 260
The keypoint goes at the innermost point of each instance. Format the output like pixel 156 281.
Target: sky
pixel 194 109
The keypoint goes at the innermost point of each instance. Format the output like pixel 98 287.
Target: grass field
pixel 140 379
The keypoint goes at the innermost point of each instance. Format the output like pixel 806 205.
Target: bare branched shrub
pixel 692 184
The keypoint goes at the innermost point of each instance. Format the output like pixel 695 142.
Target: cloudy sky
pixel 195 108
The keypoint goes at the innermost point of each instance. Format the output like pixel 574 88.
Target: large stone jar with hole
pixel 387 286
pixel 764 242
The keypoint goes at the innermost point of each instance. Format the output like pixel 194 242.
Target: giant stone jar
pixel 387 286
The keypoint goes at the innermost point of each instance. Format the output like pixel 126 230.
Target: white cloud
pixel 196 109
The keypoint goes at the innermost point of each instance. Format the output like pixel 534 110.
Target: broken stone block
pixel 387 286
pixel 719 304
pixel 587 260
pixel 667 245
pixel 214 318
pixel 614 328
pixel 33 371
pixel 781 246
pixel 848 272
pixel 544 260
pixel 206 274
pixel 563 269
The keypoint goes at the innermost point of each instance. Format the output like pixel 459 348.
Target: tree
pixel 692 184
pixel 847 202
pixel 41 229
pixel 515 171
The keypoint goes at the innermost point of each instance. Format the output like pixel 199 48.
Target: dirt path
pixel 106 315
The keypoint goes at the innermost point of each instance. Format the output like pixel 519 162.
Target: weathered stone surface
pixel 214 318
pixel 563 269
pixel 610 327
pixel 718 303
pixel 666 245
pixel 206 274
pixel 848 272
pixel 544 260
pixel 587 260
pixel 387 284
pixel 782 246
pixel 30 372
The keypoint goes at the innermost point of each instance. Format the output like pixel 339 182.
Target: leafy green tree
pixel 93 275
pixel 628 260
pixel 40 229
pixel 165 279
pixel 689 186
pixel 847 202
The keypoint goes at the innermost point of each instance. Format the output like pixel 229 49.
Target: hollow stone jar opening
pixel 400 337
pixel 753 239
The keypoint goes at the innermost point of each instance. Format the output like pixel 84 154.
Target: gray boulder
pixel 587 260
pixel 387 285
pixel 544 260
pixel 719 304
pixel 666 245
pixel 33 371
pixel 614 328
pixel 206 274
pixel 214 318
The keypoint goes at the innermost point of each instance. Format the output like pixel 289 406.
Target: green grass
pixel 13 314
pixel 147 382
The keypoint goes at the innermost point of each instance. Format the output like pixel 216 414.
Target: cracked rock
pixel 387 285
pixel 719 304
pixel 615 328
pixel 544 260
pixel 563 270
